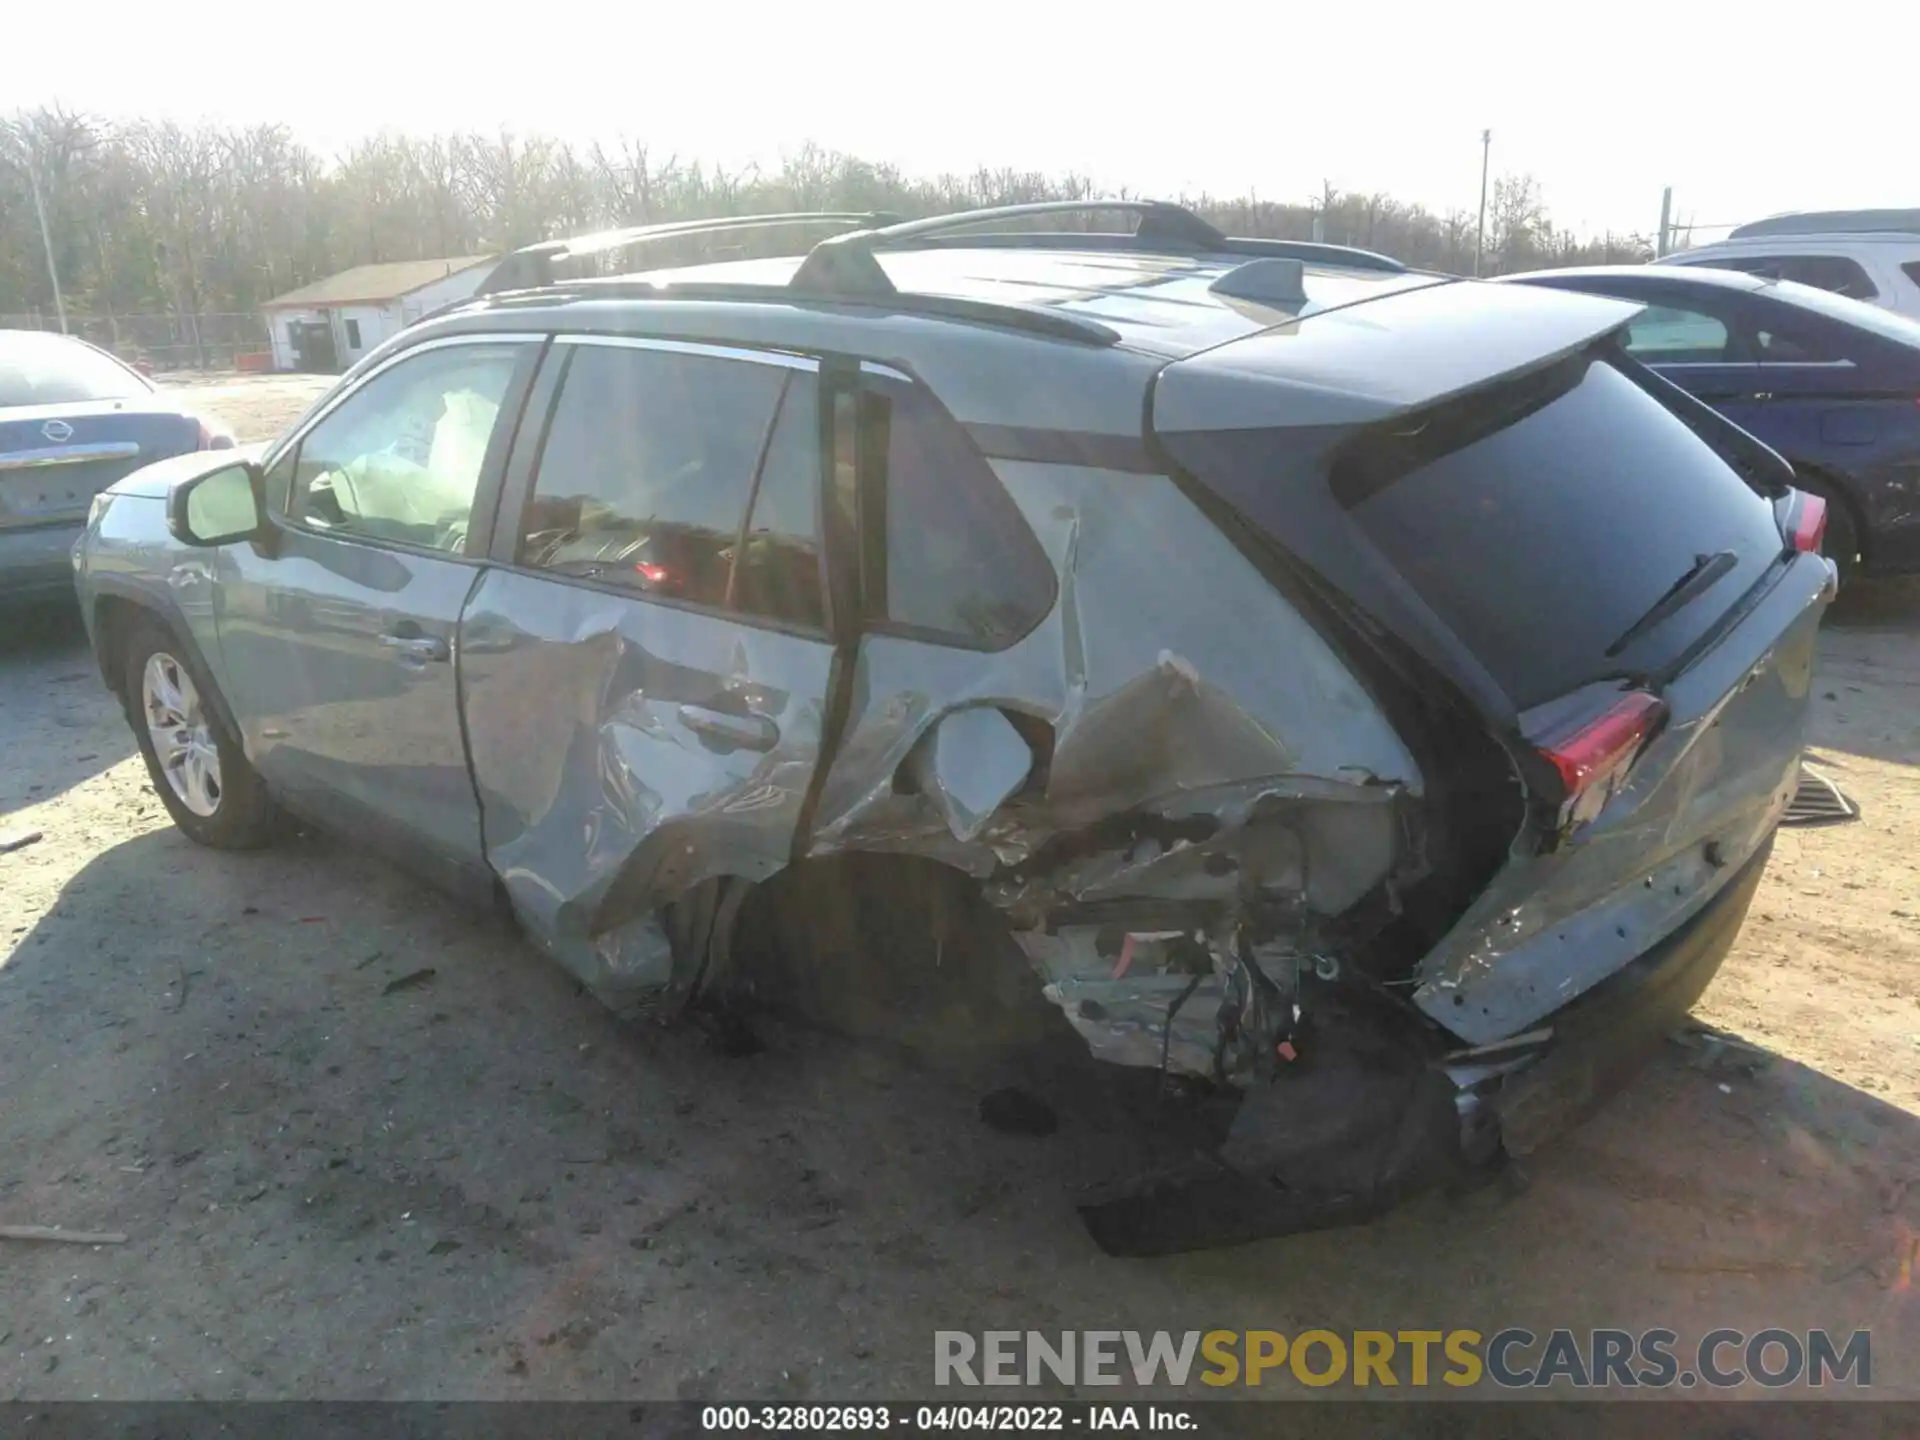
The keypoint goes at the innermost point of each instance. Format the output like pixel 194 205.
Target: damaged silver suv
pixel 1367 693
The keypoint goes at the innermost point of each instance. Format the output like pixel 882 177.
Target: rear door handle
pixel 417 647
pixel 740 732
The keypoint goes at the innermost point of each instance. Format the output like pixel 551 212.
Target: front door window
pixel 399 460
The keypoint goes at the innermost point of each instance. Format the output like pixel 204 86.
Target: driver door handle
pixel 742 732
pixel 417 647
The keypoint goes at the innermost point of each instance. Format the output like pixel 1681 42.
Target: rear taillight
pixel 213 437
pixel 1593 759
pixel 1808 527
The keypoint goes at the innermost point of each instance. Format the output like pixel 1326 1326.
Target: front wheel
pixel 198 769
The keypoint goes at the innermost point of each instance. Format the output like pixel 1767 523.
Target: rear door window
pixel 960 563
pixel 1668 335
pixel 1836 274
pixel 1543 525
pixel 685 477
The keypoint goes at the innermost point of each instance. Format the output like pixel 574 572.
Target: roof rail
pixel 1313 252
pixel 531 266
pixel 845 264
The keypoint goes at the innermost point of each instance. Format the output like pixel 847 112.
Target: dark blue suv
pixel 1832 384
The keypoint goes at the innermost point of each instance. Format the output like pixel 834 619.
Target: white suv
pixel 1865 255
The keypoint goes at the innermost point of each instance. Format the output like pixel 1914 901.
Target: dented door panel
pixel 625 751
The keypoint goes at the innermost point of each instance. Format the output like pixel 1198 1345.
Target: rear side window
pixel 1544 525
pixel 1829 272
pixel 684 477
pixel 960 563
pixel 1835 274
pixel 37 369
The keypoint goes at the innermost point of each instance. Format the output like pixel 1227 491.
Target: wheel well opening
pixel 892 947
pixel 113 622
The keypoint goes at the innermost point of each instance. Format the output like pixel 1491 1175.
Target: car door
pixel 646 670
pixel 339 639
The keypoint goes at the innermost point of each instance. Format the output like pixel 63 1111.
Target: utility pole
pixel 1480 234
pixel 1666 215
pixel 46 240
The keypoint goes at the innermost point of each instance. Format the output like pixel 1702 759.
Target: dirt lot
pixel 483 1186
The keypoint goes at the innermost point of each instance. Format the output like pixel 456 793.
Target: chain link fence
pixel 215 341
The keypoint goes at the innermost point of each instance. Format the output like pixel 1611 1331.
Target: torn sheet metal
pixel 968 765
pixel 1203 686
pixel 1236 761
pixel 626 752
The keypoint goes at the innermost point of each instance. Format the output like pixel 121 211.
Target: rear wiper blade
pixel 1707 571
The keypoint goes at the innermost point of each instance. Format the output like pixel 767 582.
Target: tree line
pixel 153 216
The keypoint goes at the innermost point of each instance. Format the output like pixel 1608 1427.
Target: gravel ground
pixel 342 1180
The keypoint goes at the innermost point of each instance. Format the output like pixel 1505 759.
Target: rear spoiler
pixel 1366 362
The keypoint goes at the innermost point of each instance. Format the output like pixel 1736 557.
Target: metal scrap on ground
pixel 53 1234
pixel 1818 801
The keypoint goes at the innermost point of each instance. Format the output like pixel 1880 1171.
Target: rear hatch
pixel 1529 512
pixel 55 458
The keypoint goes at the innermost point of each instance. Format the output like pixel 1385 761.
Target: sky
pixel 1741 115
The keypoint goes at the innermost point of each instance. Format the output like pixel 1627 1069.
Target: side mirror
pixel 219 507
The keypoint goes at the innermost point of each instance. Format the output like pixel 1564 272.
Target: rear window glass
pixel 1542 543
pixel 38 369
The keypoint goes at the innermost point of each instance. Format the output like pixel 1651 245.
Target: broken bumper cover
pixel 1263 1184
pixel 1603 1038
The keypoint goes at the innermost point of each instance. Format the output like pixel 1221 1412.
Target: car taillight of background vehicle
pixel 1809 524
pixel 213 437
pixel 1593 759
pixel 651 573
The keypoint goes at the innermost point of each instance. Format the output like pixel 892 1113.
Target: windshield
pixel 38 369
pixel 1882 322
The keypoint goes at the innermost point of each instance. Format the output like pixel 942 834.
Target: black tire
pixel 241 816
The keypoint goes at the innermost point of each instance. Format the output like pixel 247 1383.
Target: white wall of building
pixel 358 329
pixel 458 286
pixel 280 325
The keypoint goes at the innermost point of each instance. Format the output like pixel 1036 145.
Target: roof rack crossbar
pixel 531 266
pixel 845 264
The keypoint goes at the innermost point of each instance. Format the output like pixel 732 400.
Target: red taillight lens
pixel 1600 751
pixel 1809 524
pixel 651 573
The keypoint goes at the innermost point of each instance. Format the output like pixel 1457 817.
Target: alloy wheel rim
pixel 182 738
